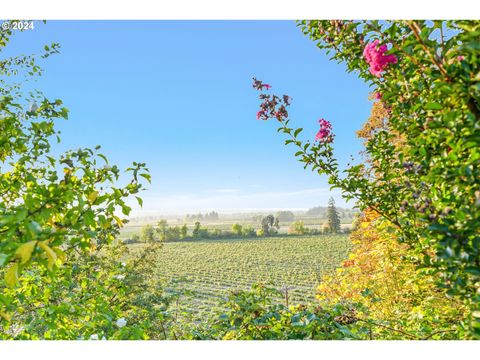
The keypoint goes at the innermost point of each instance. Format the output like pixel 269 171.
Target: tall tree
pixel 332 217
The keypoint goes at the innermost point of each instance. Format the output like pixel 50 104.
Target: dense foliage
pixel 56 214
pixel 396 301
pixel 255 315
pixel 420 171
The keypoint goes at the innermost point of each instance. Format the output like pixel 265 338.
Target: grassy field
pixel 208 269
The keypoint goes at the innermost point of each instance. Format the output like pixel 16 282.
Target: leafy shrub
pixel 248 231
pixel 260 232
pixel 55 211
pixel 237 229
pixel 253 315
pixel 297 228
pixel 103 294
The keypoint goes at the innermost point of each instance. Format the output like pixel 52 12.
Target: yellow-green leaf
pixel 11 276
pixel 118 220
pixel 51 255
pixel 93 196
pixel 5 315
pixel 24 251
pixel 60 254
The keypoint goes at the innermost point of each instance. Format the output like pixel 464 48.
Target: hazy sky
pixel 177 95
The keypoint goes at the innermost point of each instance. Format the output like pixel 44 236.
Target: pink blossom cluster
pixel 376 58
pixel 324 135
pixel 272 106
pixel 262 115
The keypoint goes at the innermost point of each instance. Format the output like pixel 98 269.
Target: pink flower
pixel 377 95
pixel 376 58
pixel 260 115
pixel 267 86
pixel 460 58
pixel 324 135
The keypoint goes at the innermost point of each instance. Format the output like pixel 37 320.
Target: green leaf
pixel 298 131
pixel 3 258
pixel 126 210
pixel 433 106
pixel 139 200
pixel 34 227
pixel 146 176
pixel 64 113
pixel 473 270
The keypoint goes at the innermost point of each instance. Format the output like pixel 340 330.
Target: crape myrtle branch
pixel 319 154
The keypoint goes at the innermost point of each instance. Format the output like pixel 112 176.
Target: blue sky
pixel 177 95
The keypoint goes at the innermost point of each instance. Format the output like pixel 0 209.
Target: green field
pixel 208 269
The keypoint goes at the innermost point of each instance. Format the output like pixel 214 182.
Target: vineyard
pixel 206 270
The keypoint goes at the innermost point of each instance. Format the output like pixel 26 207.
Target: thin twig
pixel 389 328
pixel 436 333
pixel 416 31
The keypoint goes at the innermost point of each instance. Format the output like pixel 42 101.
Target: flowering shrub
pixel 420 171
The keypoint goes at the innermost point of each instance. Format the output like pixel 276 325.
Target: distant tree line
pixel 163 232
pixel 320 212
pixel 211 216
pixel 267 226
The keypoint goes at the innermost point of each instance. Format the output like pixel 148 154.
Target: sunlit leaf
pixel 11 276
pixel 24 251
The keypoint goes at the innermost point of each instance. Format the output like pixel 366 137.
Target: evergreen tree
pixel 184 231
pixel 332 217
